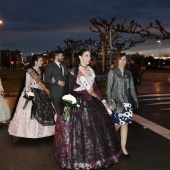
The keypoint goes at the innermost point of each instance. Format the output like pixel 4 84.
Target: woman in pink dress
pixel 37 119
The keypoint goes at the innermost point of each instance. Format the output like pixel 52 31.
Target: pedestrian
pixel 134 68
pixel 120 92
pixel 35 114
pixel 4 108
pixel 55 75
pixel 86 138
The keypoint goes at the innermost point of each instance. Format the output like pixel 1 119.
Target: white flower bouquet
pixel 28 96
pixel 69 102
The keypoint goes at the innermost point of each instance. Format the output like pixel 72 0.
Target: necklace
pixel 84 66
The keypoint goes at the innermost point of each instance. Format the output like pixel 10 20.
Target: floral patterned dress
pixel 88 139
pixel 37 120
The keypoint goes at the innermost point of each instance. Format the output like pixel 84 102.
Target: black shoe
pixel 126 156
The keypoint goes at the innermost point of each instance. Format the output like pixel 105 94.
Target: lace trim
pixel 89 78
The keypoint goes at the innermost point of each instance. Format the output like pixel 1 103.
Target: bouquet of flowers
pixel 28 96
pixel 69 102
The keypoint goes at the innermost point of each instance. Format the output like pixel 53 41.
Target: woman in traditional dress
pixel 4 108
pixel 120 94
pixel 36 118
pixel 87 139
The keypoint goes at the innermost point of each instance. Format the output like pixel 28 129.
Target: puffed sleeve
pixel 28 82
pixel 95 86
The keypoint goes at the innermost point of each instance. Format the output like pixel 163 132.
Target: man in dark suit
pixel 55 75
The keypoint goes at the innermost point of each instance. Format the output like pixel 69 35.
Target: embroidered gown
pixel 37 119
pixel 88 139
pixel 4 108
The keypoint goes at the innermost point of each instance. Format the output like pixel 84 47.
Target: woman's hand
pixel 111 108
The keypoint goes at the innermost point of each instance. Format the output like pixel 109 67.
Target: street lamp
pixel 159 52
pixel 1 22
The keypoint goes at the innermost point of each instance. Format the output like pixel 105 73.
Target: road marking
pixel 152 126
pixel 159 98
pixel 165 109
pixel 155 98
pixel 154 95
pixel 159 103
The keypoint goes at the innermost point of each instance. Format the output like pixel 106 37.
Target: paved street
pixel 148 139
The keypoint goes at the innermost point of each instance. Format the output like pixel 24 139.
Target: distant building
pixel 11 58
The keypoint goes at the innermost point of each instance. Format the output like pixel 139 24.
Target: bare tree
pixel 76 45
pixel 116 38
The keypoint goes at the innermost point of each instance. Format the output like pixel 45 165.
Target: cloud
pixel 39 25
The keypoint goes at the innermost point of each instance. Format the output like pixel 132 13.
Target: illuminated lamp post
pixel 159 52
pixel 1 23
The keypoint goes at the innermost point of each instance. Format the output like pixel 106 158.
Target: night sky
pixel 40 25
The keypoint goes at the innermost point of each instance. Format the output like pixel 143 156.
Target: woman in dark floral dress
pixel 87 139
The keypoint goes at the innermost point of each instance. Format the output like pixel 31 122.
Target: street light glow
pixel 159 52
pixel 1 22
pixel 159 41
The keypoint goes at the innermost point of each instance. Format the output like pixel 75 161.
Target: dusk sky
pixel 40 25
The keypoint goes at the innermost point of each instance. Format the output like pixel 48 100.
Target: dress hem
pixel 32 137
pixel 95 165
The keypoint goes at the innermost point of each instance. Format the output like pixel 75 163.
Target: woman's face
pixel 85 58
pixel 39 63
pixel 122 62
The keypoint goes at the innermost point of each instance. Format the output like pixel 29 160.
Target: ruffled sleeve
pixel 28 82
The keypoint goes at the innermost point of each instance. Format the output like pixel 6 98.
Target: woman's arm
pixel 132 88
pixel 28 82
pixel 109 85
pixel 97 91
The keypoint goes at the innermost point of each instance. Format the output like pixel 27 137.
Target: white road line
pixel 165 109
pixel 159 103
pixel 154 95
pixel 152 126
pixel 155 98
